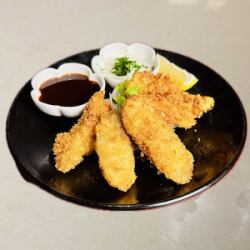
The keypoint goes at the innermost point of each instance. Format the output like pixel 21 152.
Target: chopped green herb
pixel 132 91
pixel 123 66
pixel 124 92
pixel 121 87
pixel 120 100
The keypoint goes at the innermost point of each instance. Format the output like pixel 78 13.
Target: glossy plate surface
pixel 216 143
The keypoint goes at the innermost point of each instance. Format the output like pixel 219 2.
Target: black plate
pixel 216 142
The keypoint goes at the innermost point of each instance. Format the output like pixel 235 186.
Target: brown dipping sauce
pixel 68 90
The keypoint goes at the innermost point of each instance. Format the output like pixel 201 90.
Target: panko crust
pixel 157 140
pixel 69 148
pixel 179 108
pixel 149 83
pixel 115 152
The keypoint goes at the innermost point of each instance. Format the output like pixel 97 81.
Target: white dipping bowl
pixel 65 69
pixel 139 52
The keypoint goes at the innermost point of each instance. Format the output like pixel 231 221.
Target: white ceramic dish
pixel 139 52
pixel 64 69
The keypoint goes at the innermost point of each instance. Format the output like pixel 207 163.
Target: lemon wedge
pixel 176 74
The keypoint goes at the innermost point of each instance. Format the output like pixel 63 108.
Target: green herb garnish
pixel 120 100
pixel 124 92
pixel 121 87
pixel 132 91
pixel 123 66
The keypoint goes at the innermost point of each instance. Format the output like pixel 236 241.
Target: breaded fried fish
pixel 69 148
pixel 178 107
pixel 180 110
pixel 115 152
pixel 148 83
pixel 157 140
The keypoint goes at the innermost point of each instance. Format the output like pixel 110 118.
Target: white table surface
pixel 33 34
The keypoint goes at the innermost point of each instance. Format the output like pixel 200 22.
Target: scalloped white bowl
pixel 64 69
pixel 139 52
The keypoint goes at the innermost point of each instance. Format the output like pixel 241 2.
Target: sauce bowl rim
pixel 64 69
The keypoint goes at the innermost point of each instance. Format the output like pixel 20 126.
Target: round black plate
pixel 216 142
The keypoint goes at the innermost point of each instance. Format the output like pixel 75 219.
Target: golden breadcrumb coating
pixel 157 140
pixel 115 152
pixel 149 83
pixel 178 107
pixel 180 110
pixel 69 148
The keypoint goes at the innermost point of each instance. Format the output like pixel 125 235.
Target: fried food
pixel 179 108
pixel 148 117
pixel 149 83
pixel 157 140
pixel 69 148
pixel 115 152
